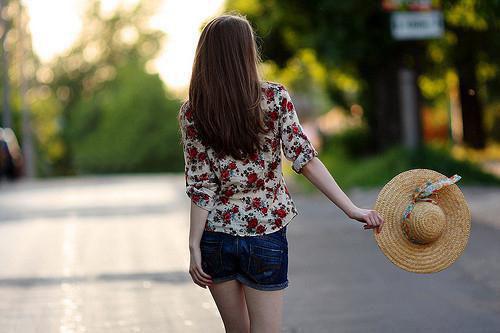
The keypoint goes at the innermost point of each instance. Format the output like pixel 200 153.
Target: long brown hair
pixel 225 90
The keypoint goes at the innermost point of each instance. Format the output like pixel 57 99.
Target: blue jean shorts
pixel 260 262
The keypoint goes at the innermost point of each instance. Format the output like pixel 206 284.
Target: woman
pixel 233 126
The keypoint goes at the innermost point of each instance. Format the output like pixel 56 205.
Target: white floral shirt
pixel 248 197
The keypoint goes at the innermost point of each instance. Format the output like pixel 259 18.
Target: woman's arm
pixel 198 218
pixel 316 172
pixel 298 149
pixel 201 186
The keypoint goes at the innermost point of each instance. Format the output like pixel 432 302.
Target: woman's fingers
pixel 370 219
pixel 376 218
pixel 201 278
pixel 203 273
pixel 378 222
pixel 195 276
pixel 195 279
pixel 380 219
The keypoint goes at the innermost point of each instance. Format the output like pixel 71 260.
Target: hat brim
pixel 421 258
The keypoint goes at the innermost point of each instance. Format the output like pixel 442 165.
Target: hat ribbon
pixel 422 193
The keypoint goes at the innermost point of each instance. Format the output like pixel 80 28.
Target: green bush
pixel 351 170
pixel 355 141
pixel 128 126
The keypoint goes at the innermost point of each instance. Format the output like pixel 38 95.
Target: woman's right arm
pixel 317 173
pixel 298 149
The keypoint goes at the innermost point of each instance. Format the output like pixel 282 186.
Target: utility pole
pixel 4 26
pixel 28 149
pixel 412 20
pixel 409 108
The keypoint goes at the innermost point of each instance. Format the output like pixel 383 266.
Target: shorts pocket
pixel 266 263
pixel 211 256
pixel 277 237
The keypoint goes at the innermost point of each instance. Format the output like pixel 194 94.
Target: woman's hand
pixel 368 216
pixel 199 277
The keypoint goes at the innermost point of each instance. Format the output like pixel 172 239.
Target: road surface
pixel 109 254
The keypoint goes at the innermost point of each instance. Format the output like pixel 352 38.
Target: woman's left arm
pixel 198 218
pixel 201 186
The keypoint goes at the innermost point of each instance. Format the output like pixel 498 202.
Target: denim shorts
pixel 260 262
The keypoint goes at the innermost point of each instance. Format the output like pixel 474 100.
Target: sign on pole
pixel 415 19
pixel 408 5
pixel 412 20
pixel 417 25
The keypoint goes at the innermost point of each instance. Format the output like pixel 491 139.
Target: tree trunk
pixel 382 104
pixel 4 25
pixel 472 108
pixel 27 130
pixel 384 98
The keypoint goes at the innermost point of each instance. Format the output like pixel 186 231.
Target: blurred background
pixel 93 215
pixel 93 87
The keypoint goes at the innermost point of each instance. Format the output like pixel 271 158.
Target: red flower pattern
pixel 240 194
pixel 252 223
pixel 252 178
pixel 280 212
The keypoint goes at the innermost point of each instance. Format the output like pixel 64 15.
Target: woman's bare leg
pixel 265 309
pixel 230 300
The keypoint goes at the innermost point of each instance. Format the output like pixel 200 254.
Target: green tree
pixel 474 26
pixel 127 126
pixel 18 68
pixel 115 116
pixel 352 39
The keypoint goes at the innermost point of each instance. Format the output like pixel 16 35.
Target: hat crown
pixel 426 223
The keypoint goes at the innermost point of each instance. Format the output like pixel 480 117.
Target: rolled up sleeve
pixel 296 146
pixel 202 184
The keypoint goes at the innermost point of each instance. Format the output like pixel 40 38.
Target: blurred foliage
pixel 354 141
pixel 46 121
pixel 126 126
pixel 99 108
pixel 471 39
pixel 350 40
pixel 352 45
pixel 306 77
pixel 346 37
pixel 489 154
pixel 114 115
pixel 493 120
pixel 18 69
pixel 353 170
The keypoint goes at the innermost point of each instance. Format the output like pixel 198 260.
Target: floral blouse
pixel 248 197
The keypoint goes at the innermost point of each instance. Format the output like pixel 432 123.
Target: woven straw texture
pixel 450 243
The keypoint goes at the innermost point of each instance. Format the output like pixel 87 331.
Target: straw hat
pixel 426 220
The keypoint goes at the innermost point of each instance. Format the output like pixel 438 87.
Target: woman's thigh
pixel 265 309
pixel 230 300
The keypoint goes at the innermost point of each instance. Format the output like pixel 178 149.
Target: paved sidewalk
pixel 109 254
